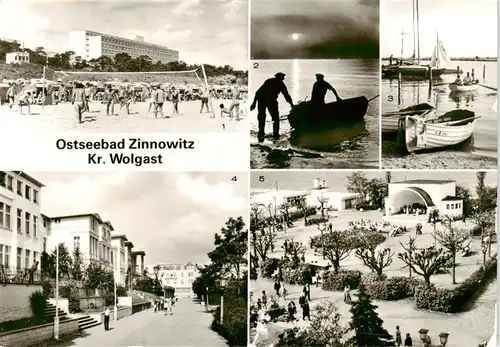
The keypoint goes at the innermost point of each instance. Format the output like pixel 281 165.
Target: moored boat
pixel 390 120
pixel 304 115
pixel 463 88
pixel 449 129
pixel 411 71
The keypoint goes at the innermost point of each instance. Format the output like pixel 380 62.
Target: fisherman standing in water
pixel 267 98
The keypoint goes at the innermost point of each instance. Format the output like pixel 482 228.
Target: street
pixel 188 326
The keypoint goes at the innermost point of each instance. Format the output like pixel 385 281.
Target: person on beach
pixel 235 101
pixel 174 94
pixel 205 93
pixel 111 98
pixel 320 88
pixel 126 100
pixel 88 97
pixel 399 340
pixel 408 341
pixel 25 100
pixel 11 93
pixel 151 99
pixel 267 99
pixel 224 111
pixel 78 100
pixel 159 101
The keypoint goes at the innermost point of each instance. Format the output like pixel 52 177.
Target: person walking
pixel 277 287
pixel 398 336
pixel 408 341
pixel 347 294
pixel 106 318
pixel 307 291
pixel 264 299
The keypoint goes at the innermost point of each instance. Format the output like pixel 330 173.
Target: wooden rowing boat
pixel 446 130
pixel 390 120
pixel 463 88
pixel 305 116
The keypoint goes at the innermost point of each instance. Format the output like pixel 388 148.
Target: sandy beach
pixel 441 160
pixel 62 118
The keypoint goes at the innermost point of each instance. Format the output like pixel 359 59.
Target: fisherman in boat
pixel 467 80
pixel 267 98
pixel 319 90
pixel 458 81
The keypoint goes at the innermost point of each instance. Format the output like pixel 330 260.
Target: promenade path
pixel 188 326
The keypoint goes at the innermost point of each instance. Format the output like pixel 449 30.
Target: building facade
pixel 91 45
pixel 119 258
pixel 21 235
pixel 180 277
pixel 17 57
pixel 87 232
pixel 433 194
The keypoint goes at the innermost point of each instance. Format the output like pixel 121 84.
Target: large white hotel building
pixel 92 45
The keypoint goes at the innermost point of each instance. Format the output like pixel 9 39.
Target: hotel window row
pixel 453 206
pixel 22 189
pixel 29 257
pixel 23 219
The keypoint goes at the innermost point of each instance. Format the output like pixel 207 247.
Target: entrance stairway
pixel 50 311
pixel 86 322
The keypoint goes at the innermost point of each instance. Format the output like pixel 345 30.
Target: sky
pixel 171 216
pixel 337 180
pixel 466 28
pixel 325 29
pixel 203 31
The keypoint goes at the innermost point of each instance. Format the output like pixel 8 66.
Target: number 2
pixel 255 65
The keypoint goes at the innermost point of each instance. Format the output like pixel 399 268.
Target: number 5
pixel 261 179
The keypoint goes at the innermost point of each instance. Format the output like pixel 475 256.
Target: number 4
pixel 234 179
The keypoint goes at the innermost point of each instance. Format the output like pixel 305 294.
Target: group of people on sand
pixel 165 305
pixel 266 100
pixel 466 81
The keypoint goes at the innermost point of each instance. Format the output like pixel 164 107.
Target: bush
pixel 392 288
pixel 47 289
pixel 234 327
pixel 38 303
pixel 299 276
pixel 316 220
pixel 456 299
pixel 337 282
pixel 71 293
pixel 269 267
pixel 298 214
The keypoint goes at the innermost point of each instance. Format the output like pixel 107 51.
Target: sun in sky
pixel 295 36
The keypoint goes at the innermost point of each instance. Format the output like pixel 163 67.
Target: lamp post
pixel 425 338
pixel 222 286
pixel 115 278
pixel 206 298
pixel 56 318
pixel 484 249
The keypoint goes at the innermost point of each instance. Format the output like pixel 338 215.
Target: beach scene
pixel 344 145
pixel 78 67
pixel 439 86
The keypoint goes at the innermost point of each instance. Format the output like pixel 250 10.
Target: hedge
pixel 299 276
pixel 456 299
pixel 337 282
pixel 269 267
pixel 392 288
pixel 234 327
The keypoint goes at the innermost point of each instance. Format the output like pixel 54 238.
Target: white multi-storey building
pixel 119 257
pixel 21 235
pixel 91 45
pixel 88 232
pixel 179 276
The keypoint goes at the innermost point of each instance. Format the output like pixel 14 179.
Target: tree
pixel 65 261
pixel 486 196
pixel 323 200
pixel 426 262
pixel 48 265
pixel 97 277
pixel 231 248
pixel 285 211
pixel 366 324
pixel 324 330
pixel 295 251
pixel 304 208
pixel 453 239
pixel 434 219
pixel 464 194
pixel 377 190
pixel 357 183
pixel 335 246
pixel 486 222
pixel 375 260
pixel 77 266
pixel 409 248
pixel 262 242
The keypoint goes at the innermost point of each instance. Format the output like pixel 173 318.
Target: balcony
pixel 19 275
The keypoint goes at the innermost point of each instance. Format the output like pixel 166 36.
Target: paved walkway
pixel 188 326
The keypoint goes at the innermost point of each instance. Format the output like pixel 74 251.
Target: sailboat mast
pixel 418 34
pixel 402 45
pixel 437 50
pixel 413 30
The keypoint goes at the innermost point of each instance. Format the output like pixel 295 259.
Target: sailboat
pixel 417 70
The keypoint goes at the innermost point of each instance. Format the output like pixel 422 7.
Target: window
pixel 35 226
pixel 6 254
pixel 10 182
pixel 44 222
pixel 3 179
pixel 27 222
pixel 7 217
pixel 35 196
pixel 45 244
pixel 19 188
pixel 27 262
pixel 19 221
pixel 182 274
pixel 1 254
pixel 35 258
pixel 447 206
pixel 76 242
pixel 19 257
pixel 27 192
pixel 182 281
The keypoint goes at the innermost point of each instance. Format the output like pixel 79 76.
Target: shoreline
pixel 441 160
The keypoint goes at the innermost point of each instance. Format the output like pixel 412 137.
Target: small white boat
pixel 463 88
pixel 449 129
pixel 391 120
